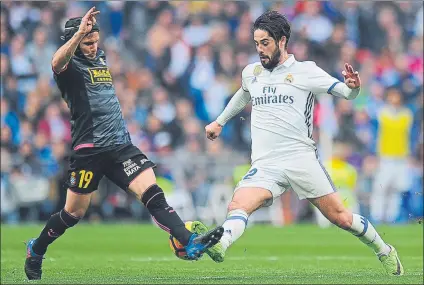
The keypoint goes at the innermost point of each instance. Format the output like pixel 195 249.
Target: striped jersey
pixel 282 106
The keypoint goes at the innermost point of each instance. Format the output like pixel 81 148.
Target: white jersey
pixel 283 106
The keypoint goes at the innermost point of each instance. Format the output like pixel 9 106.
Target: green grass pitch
pixel 139 254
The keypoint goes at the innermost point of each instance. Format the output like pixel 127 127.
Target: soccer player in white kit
pixel 282 91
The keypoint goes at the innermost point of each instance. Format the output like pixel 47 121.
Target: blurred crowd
pixel 175 65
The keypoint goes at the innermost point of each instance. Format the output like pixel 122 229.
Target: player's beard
pixel 273 61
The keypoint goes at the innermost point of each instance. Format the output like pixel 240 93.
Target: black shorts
pixel 121 164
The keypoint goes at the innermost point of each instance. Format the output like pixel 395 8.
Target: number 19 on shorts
pixel 85 178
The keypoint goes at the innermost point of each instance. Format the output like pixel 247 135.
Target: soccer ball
pixel 176 247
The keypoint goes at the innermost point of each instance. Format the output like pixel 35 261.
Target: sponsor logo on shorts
pixel 143 161
pixel 130 167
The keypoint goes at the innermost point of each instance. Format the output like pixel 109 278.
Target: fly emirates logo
pixel 270 96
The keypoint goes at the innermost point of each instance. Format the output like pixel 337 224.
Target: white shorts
pixel 303 173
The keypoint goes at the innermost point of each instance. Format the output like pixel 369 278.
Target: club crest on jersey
pixel 257 70
pixel 289 78
pixel 73 179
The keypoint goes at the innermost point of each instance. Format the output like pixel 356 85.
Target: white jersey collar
pixel 287 63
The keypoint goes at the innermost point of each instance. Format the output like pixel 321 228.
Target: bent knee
pixel 235 205
pixel 142 183
pixel 247 202
pixel 343 220
pixel 76 211
pixel 78 214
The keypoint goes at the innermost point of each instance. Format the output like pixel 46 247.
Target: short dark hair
pixel 275 24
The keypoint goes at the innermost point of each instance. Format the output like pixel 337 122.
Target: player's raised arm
pixel 237 103
pixel 64 54
pixel 322 82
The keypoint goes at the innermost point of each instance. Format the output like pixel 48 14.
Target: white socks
pixel 234 226
pixel 236 222
pixel 366 233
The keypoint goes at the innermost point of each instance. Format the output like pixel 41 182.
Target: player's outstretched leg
pixel 75 208
pixel 153 198
pixel 245 201
pixel 332 208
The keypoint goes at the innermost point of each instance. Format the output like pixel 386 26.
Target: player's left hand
pixel 351 77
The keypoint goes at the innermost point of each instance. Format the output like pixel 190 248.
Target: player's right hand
pixel 213 130
pixel 88 21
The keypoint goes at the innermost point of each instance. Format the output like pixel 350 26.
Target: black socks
pixel 164 216
pixel 55 227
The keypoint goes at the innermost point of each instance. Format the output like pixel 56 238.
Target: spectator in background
pixel 26 160
pixel 418 29
pixel 4 70
pixel 193 172
pixel 415 58
pixel 366 182
pixel 300 50
pixel 157 134
pixel 202 77
pixel 225 63
pixel 9 213
pixel 115 17
pixel 32 109
pixel 376 100
pixel 180 60
pixel 220 36
pixel 162 107
pixel 54 126
pixel 332 48
pixel 307 22
pixel 347 54
pixel 10 119
pixel 415 203
pixel 6 139
pixel 215 96
pixel 21 64
pixel 40 52
pixel 183 110
pixel 346 123
pixel 365 131
pixel 4 37
pixel 243 41
pixel 393 142
pixel 407 83
pixel 157 54
pixel 16 99
pixel 197 33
